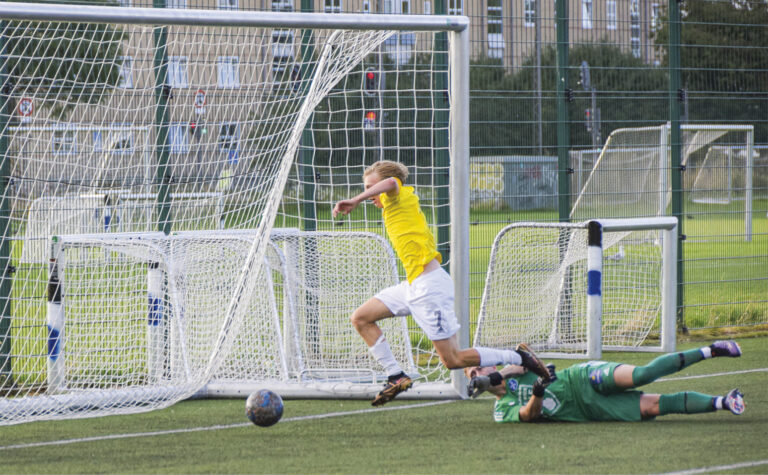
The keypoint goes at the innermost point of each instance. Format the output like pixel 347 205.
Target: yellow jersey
pixel 408 230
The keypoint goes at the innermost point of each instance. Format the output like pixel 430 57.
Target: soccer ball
pixel 264 408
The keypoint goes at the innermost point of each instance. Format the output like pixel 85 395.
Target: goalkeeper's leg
pixel 690 402
pixel 628 376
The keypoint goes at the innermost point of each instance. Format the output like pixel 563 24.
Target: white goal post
pixel 573 290
pixel 125 327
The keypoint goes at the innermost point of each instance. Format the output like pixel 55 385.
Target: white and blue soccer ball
pixel 264 408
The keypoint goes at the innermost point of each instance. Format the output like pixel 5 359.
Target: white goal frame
pixel 593 346
pixel 457 30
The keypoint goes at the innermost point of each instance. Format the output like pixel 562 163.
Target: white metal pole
pixel 594 290
pixel 55 320
pixel 669 290
pixel 155 324
pixel 459 182
pixel 748 185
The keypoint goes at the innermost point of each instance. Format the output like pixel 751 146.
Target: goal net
pixel 537 287
pixel 631 175
pixel 163 151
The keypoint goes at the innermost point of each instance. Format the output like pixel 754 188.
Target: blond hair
pixel 388 169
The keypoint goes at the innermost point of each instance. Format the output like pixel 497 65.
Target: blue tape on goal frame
pixel 593 282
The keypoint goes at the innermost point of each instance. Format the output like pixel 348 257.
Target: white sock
pixel 493 357
pixel 706 352
pixel 719 402
pixel 383 354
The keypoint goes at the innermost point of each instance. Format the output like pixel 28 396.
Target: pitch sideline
pixel 720 468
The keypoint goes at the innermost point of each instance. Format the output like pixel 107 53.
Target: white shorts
pixel 429 300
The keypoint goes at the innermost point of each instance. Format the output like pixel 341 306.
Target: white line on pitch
pixel 720 468
pixel 727 373
pixel 216 427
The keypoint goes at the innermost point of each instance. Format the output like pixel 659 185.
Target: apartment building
pixel 244 65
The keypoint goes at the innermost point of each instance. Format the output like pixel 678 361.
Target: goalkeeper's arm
pixel 532 409
pixel 479 384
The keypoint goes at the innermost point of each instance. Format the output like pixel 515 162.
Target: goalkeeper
pixel 426 294
pixel 600 391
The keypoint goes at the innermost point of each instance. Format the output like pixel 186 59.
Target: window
pixel 175 3
pixel 227 4
pixel 634 20
pixel 118 141
pixel 367 6
pixel 177 71
pixel 178 138
pixel 282 49
pixel 495 33
pixel 124 3
pixel 610 14
pixel 229 136
pixel 405 7
pixel 586 14
pixel 455 7
pixel 282 5
pixel 229 72
pixel 655 11
pixel 64 142
pixel 529 13
pixel 332 6
pixel 126 72
pixel 427 8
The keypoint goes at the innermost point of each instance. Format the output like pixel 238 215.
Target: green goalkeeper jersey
pixel 583 392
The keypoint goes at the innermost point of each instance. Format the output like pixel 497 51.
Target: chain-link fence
pixel 674 90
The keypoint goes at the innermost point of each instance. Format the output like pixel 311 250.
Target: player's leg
pixel 364 320
pixel 690 402
pixel 628 376
pixel 453 357
pixel 430 299
pixel 386 304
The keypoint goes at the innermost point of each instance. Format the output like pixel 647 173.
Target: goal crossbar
pixel 159 16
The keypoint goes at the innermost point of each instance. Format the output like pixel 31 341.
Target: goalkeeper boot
pixel 725 348
pixel 531 362
pixel 392 388
pixel 734 401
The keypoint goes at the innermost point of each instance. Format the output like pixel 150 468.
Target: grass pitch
pixel 213 436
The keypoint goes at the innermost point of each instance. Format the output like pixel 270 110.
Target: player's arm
pixel 390 186
pixel 532 409
pixel 512 370
pixel 479 384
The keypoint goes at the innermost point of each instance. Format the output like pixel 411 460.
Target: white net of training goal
pixel 631 176
pixel 536 289
pixel 137 129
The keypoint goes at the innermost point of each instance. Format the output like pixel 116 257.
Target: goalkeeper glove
pixel 541 384
pixel 478 384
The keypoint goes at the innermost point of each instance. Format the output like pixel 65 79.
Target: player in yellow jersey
pixel 427 292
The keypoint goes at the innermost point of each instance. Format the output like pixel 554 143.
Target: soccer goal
pixel 576 289
pixel 255 121
pixel 116 211
pixel 631 175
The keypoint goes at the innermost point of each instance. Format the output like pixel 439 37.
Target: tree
pixel 723 59
pixel 65 63
pixel 630 93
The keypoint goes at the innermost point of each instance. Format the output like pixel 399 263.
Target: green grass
pixel 456 437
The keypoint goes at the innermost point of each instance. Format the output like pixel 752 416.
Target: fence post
pixel 564 93
pixel 675 96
